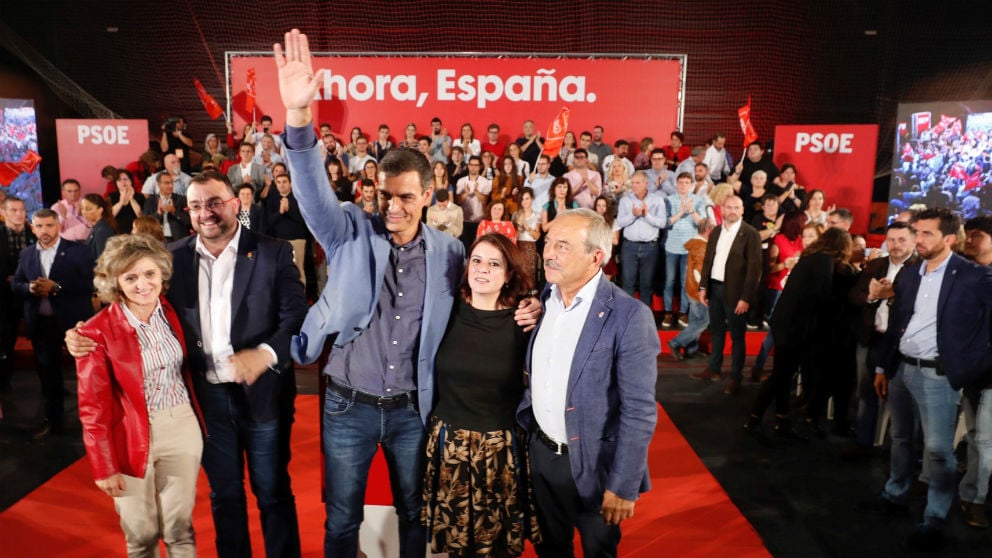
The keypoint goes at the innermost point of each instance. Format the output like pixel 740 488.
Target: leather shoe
pixel 926 538
pixel 676 350
pixel 974 515
pixel 705 376
pixel 733 387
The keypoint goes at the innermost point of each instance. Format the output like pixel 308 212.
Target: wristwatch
pixel 56 289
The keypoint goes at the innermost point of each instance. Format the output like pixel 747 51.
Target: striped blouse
pixel 162 360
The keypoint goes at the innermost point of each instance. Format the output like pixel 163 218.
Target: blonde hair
pixel 121 253
pixel 720 193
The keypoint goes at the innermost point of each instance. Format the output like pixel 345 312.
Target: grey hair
pixel 599 236
pixel 642 174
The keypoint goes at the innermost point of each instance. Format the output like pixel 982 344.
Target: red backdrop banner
pixel 836 158
pixel 86 146
pixel 630 98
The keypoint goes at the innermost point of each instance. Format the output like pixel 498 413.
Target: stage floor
pixel 802 500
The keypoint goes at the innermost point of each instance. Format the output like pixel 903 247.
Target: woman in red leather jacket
pixel 141 426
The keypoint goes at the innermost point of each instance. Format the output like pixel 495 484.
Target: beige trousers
pixel 160 506
pixel 299 256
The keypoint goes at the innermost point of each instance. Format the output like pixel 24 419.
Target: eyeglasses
pixel 213 205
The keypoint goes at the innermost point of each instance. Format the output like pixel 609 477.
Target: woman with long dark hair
pixel 507 184
pixel 126 202
pixel 96 210
pixel 802 328
pixel 561 192
pixel 477 497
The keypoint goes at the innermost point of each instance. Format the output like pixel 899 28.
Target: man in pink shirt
pixel 71 222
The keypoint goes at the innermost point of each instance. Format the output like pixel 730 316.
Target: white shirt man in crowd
pixel 716 159
pixel 622 147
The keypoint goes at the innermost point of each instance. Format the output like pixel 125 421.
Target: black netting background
pixel 801 62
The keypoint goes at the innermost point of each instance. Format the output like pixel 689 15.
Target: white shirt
pixel 607 162
pixel 882 312
pixel 541 184
pixel 473 147
pixel 216 283
pixel 46 257
pixel 551 359
pixel 727 236
pixel 716 161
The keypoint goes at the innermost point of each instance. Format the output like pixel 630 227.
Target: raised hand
pixel 298 83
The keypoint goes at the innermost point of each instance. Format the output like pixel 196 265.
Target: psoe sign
pixel 88 145
pixel 818 142
pixel 836 158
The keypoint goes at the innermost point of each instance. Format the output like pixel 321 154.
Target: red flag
pixel 209 103
pixel 744 114
pixel 9 171
pixel 250 92
pixel 555 137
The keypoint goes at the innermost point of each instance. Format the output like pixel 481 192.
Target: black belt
pixel 655 241
pixel 384 403
pixel 715 282
pixel 559 449
pixel 922 363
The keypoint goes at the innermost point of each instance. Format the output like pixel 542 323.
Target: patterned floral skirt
pixel 477 495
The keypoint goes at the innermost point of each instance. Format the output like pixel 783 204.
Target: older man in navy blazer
pixel 589 405
pixel 937 342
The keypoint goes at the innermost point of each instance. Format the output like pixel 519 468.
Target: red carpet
pixel 686 514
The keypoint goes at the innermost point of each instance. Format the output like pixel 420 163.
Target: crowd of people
pixel 945 165
pixel 512 390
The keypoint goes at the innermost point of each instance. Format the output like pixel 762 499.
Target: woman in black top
pixel 96 211
pixel 126 202
pixel 477 489
pixel 803 326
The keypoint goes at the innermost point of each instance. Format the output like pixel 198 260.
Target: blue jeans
pixel 974 486
pixel 353 432
pixel 771 297
pixel 675 268
pixel 723 319
pixel 638 260
pixel 937 402
pixel 699 318
pixel 233 438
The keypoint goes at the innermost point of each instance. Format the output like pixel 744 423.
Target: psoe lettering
pixel 824 143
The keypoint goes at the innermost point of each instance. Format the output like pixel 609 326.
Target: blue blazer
pixel 610 408
pixel 964 313
pixel 72 269
pixel 268 305
pixel 357 247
